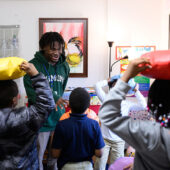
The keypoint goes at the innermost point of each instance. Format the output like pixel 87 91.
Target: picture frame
pixel 134 52
pixel 75 34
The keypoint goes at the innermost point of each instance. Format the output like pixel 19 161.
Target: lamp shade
pixel 160 62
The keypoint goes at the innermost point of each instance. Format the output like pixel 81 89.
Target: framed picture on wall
pixel 132 51
pixel 75 34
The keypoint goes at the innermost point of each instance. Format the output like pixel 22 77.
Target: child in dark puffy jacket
pixel 19 126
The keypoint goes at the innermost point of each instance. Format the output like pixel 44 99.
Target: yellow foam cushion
pixel 9 68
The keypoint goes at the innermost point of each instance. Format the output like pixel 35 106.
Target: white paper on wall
pixel 9 40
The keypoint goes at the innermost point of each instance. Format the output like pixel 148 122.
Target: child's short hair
pixel 113 80
pixel 159 101
pixel 8 90
pixel 112 83
pixel 79 100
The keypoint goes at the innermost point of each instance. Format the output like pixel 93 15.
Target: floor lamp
pixel 125 57
pixel 110 43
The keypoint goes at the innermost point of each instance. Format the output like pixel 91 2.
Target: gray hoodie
pixel 150 139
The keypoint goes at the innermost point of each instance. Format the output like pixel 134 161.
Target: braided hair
pixel 49 38
pixel 159 101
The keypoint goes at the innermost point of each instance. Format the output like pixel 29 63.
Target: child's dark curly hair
pixel 159 101
pixel 8 90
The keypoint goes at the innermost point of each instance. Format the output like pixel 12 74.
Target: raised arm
pixel 135 132
pixel 44 102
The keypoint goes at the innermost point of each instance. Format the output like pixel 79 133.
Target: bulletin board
pixel 9 40
pixel 134 52
pixel 9 47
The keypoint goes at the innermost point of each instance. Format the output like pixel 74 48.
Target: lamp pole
pixel 110 43
pixel 125 57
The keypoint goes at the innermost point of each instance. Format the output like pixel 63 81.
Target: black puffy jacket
pixel 19 129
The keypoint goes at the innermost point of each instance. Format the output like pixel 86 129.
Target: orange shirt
pixel 90 114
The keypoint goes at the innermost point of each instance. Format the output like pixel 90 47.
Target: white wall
pixel 26 13
pixel 131 22
pixel 136 22
pixel 165 24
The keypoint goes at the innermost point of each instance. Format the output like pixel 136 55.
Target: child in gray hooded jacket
pixel 151 140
